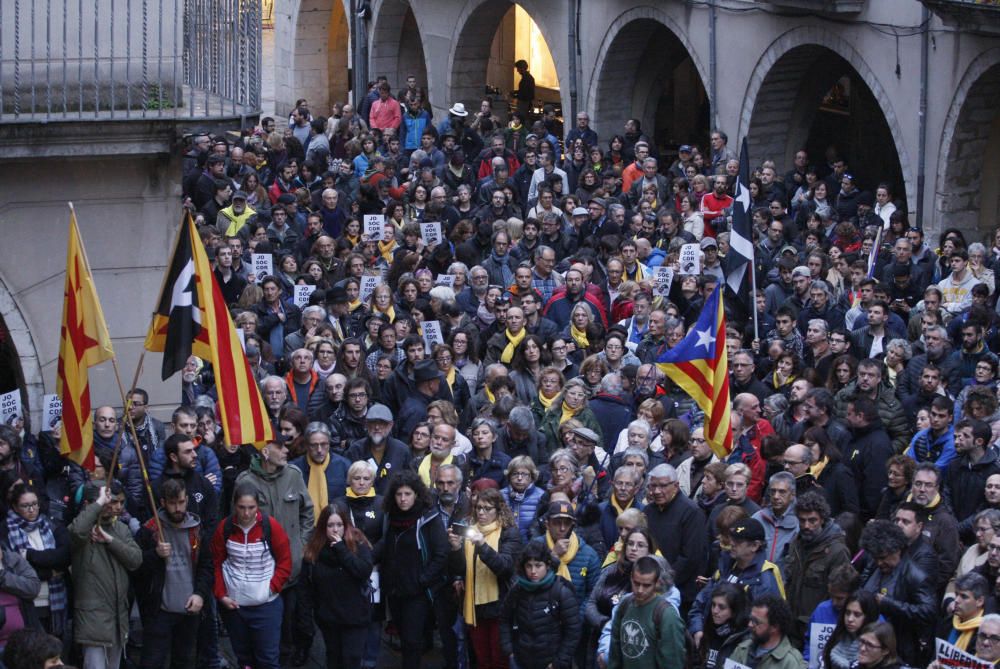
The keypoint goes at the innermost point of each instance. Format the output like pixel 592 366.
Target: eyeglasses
pixel 520 475
pixel 484 509
pixel 357 396
pixel 989 638
pixel 564 469
pixel 28 506
pixel 871 645
pixel 993 549
pixel 792 463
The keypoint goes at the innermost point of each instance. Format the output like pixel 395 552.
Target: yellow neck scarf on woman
pixel 425 467
pixel 512 342
pixel 489 395
pixel 386 249
pixel 450 377
pixel 567 557
pixel 354 304
pixel 481 586
pixel 353 495
pixel 818 468
pixel 318 491
pixel 546 402
pixel 389 313
pixel 579 336
pixel 567 413
pixel 967 629
pixel 353 240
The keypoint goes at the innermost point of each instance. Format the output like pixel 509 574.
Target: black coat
pixel 965 483
pixel 414 559
pixel 910 607
pixel 680 532
pixel 366 514
pixel 837 481
pixel 868 452
pixel 396 458
pixel 337 585
pixel 501 562
pixel 541 627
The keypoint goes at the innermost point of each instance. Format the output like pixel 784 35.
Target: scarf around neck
pixel 965 631
pixel 579 336
pixel 318 491
pixel 567 557
pixel 481 585
pixel 513 341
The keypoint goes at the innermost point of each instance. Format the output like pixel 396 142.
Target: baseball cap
pixel 747 529
pixel 562 510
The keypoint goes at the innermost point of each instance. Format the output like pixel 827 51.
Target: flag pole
pixel 127 406
pixel 126 402
pixel 753 284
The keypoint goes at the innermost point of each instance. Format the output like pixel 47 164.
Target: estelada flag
pixel 83 343
pixel 192 318
pixel 698 364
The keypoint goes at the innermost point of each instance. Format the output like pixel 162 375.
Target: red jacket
pixel 277 558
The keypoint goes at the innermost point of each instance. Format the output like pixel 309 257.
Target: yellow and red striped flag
pixel 83 343
pixel 192 319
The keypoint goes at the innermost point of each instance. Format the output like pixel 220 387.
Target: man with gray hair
pixel 275 394
pixel 817 353
pixel 779 521
pixel 312 316
pixel 612 411
pixel 520 436
pixel 543 278
pixel 821 305
pixel 650 176
pixel 678 526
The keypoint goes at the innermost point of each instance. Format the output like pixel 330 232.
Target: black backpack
pixel 227 529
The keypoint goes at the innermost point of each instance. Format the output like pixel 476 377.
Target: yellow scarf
pixel 967 629
pixel 579 336
pixel 386 249
pixel 353 240
pixel 934 502
pixel 354 304
pixel 612 556
pixel 318 491
pixel 574 546
pixel 389 313
pixel 567 413
pixel 481 586
pixel 546 402
pixel 450 377
pixel 425 467
pixel 353 495
pixel 512 343
pixel 818 468
pixel 774 377
pixel 638 275
pixel 617 507
pixel 489 395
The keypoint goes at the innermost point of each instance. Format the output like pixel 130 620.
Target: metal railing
pixel 86 60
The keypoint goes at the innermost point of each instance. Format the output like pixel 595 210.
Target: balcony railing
pixel 979 16
pixel 87 60
pixel 822 6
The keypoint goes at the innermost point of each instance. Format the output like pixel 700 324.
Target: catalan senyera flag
pixel 192 318
pixel 83 343
pixel 698 364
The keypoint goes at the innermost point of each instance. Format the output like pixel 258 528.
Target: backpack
pixel 690 650
pixel 227 529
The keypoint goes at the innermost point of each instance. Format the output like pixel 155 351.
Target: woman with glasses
pixel 877 647
pixel 326 359
pixel 485 554
pixel 45 545
pixel 559 347
pixel 985 526
pixel 615 580
pixel 521 494
pixel 843 646
pixel 899 470
pixel 615 355
pixel 570 403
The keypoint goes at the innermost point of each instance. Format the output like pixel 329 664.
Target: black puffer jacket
pixel 337 585
pixel 541 627
pixel 501 562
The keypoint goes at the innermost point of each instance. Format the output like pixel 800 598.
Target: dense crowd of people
pixel 529 486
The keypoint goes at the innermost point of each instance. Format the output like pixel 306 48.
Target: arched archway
pixel 484 44
pixel 813 90
pixel 397 48
pixel 306 55
pixel 646 69
pixel 967 194
pixel 19 365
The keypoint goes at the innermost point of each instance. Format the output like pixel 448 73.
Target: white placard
pixel 51 412
pixel 431 233
pixel 819 634
pixel 663 278
pixel 263 265
pixel 432 334
pixel 374 226
pixel 732 664
pixel 242 337
pixel 301 295
pixel 950 656
pixel 10 407
pixel 691 259
pixel 368 285
pixel 375 581
pixel 445 280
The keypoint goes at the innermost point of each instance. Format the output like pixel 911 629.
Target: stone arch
pixel 617 75
pixel 785 89
pixel 469 58
pixel 309 59
pixel 966 193
pixel 28 372
pixel 397 45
